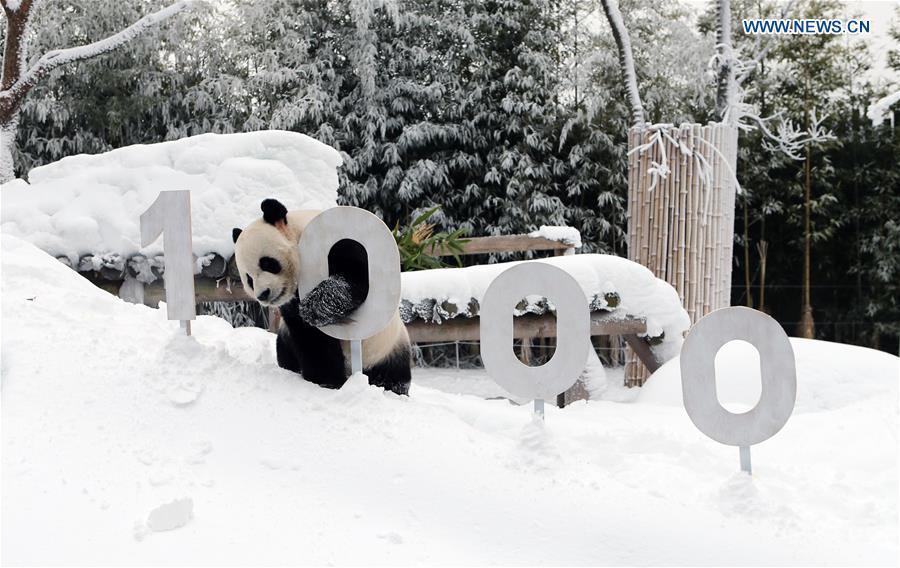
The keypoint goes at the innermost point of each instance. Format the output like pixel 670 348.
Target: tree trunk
pixel 807 325
pixel 626 59
pixel 763 248
pixel 747 290
pixel 13 66
pixel 726 87
pixel 7 141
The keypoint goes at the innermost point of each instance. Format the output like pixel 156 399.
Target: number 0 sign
pixel 573 323
pixel 322 233
pixel 777 370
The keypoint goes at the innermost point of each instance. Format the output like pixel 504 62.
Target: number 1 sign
pixel 170 216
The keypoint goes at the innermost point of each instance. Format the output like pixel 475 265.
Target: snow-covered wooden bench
pixel 625 299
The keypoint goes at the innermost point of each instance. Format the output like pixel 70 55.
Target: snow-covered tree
pixel 21 72
pixel 172 81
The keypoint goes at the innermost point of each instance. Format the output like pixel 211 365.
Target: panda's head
pixel 265 252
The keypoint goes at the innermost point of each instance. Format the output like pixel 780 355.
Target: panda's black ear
pixel 273 211
pixel 235 233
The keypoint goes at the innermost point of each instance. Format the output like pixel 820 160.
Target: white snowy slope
pixel 91 204
pixel 830 376
pixel 125 443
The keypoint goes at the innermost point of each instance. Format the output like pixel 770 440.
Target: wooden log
pixel 644 352
pixel 206 290
pixel 468 329
pixel 505 243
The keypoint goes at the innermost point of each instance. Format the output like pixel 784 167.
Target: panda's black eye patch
pixel 249 281
pixel 269 264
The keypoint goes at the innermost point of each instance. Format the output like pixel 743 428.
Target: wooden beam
pixel 504 243
pixel 643 351
pixel 468 329
pixel 205 289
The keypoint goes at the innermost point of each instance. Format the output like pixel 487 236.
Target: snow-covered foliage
pixel 91 204
pixel 158 448
pixel 882 107
pixel 611 284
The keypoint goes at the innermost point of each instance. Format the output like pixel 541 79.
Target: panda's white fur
pixel 279 241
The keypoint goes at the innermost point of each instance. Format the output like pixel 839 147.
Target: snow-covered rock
pixel 91 204
pixel 263 468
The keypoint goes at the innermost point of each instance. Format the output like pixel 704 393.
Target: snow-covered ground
pixel 116 427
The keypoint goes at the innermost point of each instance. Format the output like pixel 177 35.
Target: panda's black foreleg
pixel 285 352
pixel 393 373
pixel 305 349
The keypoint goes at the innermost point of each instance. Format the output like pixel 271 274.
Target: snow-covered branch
pixel 16 81
pixel 626 59
pixel 786 137
pixel 57 57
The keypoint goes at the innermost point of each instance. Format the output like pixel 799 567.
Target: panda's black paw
pixel 329 302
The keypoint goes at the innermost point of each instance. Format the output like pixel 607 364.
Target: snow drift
pixel 91 204
pixel 842 375
pixel 126 443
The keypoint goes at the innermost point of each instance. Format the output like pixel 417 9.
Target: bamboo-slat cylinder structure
pixel 681 198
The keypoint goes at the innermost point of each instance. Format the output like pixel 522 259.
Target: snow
pixel 568 235
pixel 880 108
pixel 640 293
pixel 844 375
pixel 103 458
pixel 91 204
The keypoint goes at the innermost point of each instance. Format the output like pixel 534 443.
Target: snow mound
pixel 829 376
pixel 91 204
pixel 568 235
pixel 263 468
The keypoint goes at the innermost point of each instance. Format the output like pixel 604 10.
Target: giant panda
pixel 266 255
